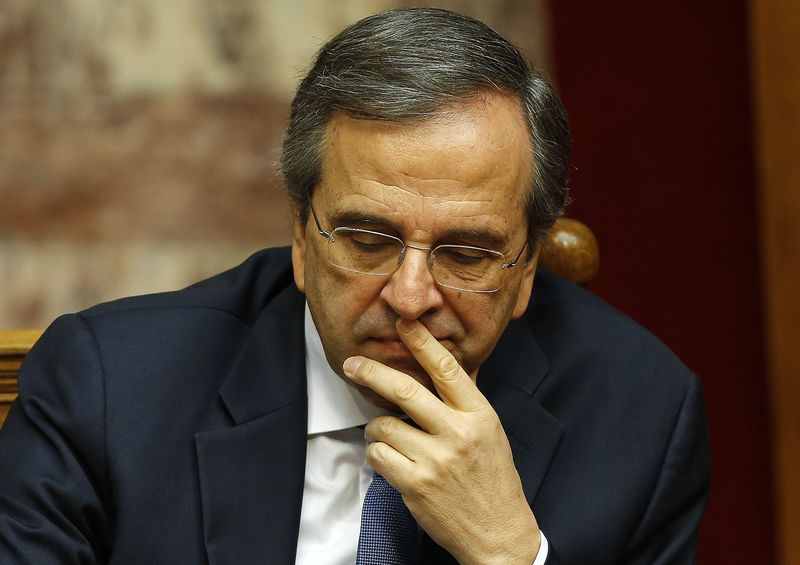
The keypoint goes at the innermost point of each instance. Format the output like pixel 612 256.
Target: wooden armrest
pixel 14 346
pixel 571 250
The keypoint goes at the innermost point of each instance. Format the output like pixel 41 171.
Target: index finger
pixel 454 385
pixel 402 390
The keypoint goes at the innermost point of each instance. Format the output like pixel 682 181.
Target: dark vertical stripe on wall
pixel 658 97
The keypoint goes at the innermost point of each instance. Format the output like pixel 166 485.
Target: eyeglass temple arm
pixel 321 231
pixel 516 259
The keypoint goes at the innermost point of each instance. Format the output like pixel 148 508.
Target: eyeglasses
pixel 459 267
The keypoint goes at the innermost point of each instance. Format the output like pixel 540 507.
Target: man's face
pixel 459 179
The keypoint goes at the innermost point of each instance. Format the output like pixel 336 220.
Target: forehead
pixel 471 164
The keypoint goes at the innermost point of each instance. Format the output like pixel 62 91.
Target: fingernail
pixel 351 365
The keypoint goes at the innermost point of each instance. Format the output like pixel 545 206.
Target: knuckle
pixel 420 340
pixel 465 441
pixel 407 389
pixel 448 367
pixel 426 479
pixel 445 461
pixel 386 426
pixel 375 454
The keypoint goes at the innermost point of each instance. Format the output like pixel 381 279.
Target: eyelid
pixel 382 229
pixel 470 242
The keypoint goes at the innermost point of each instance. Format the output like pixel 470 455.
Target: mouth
pixel 396 348
pixel 391 351
pixel 388 345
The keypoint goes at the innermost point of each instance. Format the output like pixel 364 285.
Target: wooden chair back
pixel 14 345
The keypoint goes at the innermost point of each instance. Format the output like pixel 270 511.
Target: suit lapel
pixel 510 379
pixel 251 474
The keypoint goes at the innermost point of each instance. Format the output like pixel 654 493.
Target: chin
pixel 412 368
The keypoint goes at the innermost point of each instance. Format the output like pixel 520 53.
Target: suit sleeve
pixel 667 532
pixel 54 491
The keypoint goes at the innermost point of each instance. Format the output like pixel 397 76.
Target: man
pixel 223 423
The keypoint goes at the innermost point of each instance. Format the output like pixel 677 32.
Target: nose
pixel 411 291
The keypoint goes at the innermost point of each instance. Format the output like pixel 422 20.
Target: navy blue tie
pixel 389 533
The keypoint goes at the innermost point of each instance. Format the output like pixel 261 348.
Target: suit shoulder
pixel 148 350
pixel 574 326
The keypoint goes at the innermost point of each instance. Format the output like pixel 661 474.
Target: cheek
pixel 321 279
pixel 480 314
pixel 484 320
pixel 317 285
pixel 342 296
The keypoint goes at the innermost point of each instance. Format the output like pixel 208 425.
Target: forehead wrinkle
pixel 459 194
pixel 399 198
pixel 400 154
pixel 407 148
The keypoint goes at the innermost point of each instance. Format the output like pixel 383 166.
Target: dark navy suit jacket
pixel 171 429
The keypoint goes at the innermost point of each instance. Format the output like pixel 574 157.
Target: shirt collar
pixel 333 404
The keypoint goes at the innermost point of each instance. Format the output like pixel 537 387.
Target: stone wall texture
pixel 139 138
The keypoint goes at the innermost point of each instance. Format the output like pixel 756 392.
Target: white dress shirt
pixel 337 474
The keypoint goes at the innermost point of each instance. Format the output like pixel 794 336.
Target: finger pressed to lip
pixel 432 355
pixel 400 389
pixel 413 334
pixel 452 383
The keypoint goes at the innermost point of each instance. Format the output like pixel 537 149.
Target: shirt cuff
pixel 544 548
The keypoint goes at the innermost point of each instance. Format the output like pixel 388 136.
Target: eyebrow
pixel 476 236
pixel 355 217
pixel 485 237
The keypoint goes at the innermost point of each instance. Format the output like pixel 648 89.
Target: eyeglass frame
pixel 504 267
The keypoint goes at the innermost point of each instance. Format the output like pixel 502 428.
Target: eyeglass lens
pixel 454 266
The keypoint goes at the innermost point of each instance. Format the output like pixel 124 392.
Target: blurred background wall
pixel 139 138
pixel 138 142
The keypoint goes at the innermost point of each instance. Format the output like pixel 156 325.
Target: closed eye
pixel 465 256
pixel 367 241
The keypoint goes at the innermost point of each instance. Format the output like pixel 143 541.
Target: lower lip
pixel 397 347
pixel 392 346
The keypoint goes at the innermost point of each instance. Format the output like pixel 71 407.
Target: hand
pixel 456 473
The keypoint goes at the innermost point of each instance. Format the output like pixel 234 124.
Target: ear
pixel 298 249
pixel 526 286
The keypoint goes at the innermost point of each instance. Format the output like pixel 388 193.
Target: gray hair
pixel 414 64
